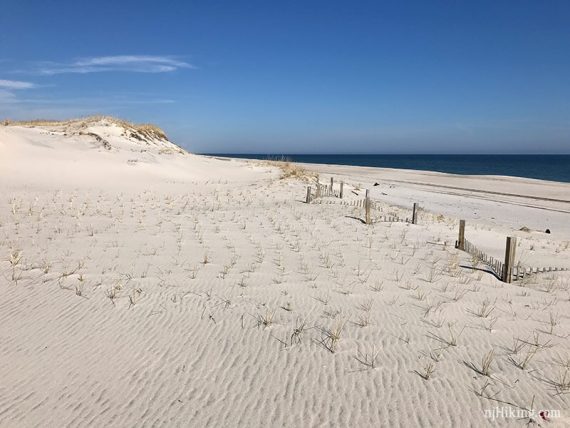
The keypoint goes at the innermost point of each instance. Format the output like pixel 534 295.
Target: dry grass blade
pixel 331 337
pixel 298 331
pixel 427 371
pixel 486 361
pixel 560 384
pixel 368 359
pixel 452 337
pixel 485 309
pixel 522 363
pixel 15 259
pixel 265 319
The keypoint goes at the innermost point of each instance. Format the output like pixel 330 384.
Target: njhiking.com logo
pixel 508 412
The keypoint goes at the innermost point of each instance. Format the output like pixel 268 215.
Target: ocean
pixel 543 167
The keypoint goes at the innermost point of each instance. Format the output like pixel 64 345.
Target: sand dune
pixel 145 286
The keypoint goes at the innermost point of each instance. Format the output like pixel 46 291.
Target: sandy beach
pixel 145 286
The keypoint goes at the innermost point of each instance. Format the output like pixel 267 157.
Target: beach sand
pixel 144 286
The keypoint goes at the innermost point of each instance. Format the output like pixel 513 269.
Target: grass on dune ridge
pixel 290 169
pixel 147 129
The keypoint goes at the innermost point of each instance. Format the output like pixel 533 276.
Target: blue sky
pixel 307 76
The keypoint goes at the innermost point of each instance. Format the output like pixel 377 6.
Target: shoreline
pixel 286 158
pixel 517 204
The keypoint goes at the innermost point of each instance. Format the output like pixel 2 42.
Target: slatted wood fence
pixel 322 191
pixel 507 271
pixel 496 266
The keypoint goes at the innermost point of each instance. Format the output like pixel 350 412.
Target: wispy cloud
pixel 32 107
pixel 35 103
pixel 15 84
pixel 122 63
pixel 8 90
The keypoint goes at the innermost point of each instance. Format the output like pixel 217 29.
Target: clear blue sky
pixel 276 76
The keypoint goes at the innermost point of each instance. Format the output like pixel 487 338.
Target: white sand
pixel 164 289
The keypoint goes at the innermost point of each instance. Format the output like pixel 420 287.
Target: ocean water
pixel 543 167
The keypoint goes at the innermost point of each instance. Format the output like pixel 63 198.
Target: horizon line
pixel 380 154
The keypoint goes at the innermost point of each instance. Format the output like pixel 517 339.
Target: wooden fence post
pixel 318 195
pixel 308 194
pixel 341 189
pixel 415 214
pixel 367 206
pixel 509 258
pixel 461 240
pixel 332 182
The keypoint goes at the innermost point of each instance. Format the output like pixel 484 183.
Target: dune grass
pixel 146 129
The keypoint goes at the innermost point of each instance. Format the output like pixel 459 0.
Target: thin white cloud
pixel 15 84
pixel 123 63
pixel 6 96
pixel 22 108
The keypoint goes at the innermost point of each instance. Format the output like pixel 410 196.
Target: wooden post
pixel 509 258
pixel 308 194
pixel 415 214
pixel 332 182
pixel 367 206
pixel 341 189
pixel 318 190
pixel 461 240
